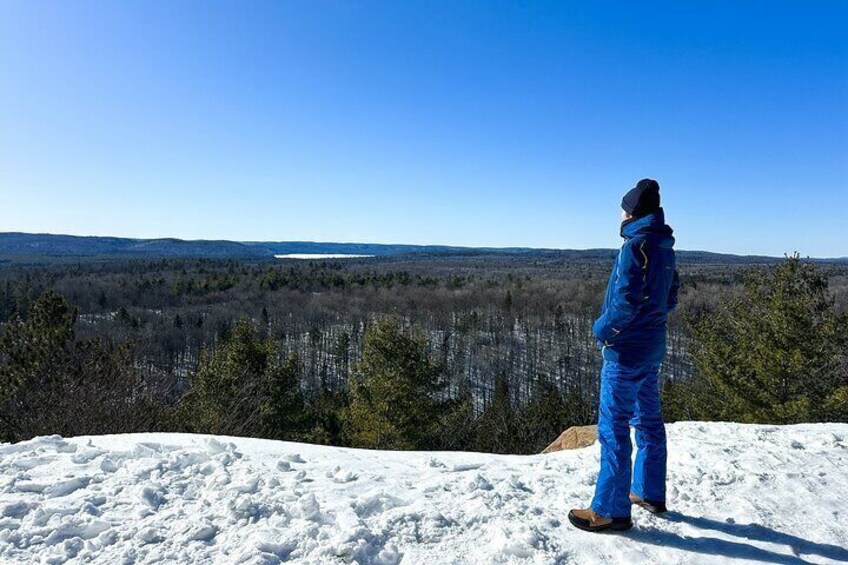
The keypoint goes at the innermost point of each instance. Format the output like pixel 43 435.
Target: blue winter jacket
pixel 642 290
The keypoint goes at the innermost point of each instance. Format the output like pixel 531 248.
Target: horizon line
pixel 448 246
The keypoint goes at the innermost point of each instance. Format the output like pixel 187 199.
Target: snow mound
pixel 738 493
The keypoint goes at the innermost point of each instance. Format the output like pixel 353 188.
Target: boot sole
pixel 651 507
pixel 618 525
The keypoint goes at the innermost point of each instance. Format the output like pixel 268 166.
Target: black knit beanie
pixel 643 199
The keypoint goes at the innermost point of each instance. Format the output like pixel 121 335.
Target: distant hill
pixel 50 245
pixel 30 245
pixel 17 246
pixel 378 249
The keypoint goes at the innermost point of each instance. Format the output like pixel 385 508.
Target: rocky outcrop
pixel 574 437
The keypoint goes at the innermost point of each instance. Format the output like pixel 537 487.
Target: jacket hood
pixel 650 225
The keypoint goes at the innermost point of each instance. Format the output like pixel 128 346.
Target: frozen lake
pixel 321 256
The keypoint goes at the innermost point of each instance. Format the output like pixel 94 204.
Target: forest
pixel 461 351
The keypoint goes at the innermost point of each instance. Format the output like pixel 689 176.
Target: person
pixel 631 334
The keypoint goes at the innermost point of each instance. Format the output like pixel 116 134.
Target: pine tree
pixel 394 391
pixel 341 355
pixel 35 353
pixel 774 354
pixel 237 383
pixel 544 416
pixel 496 431
pixel 507 302
pixel 692 398
pixel 326 409
pixel 284 410
pixel 53 383
pixel 456 422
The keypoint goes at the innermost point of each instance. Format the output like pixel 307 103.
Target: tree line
pixel 365 358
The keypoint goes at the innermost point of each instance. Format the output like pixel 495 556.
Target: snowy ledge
pixel 740 493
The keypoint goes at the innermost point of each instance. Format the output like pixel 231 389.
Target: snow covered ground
pixel 318 256
pixel 737 493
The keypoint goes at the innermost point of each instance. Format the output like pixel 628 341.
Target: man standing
pixel 631 334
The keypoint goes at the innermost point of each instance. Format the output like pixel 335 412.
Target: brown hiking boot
pixel 587 520
pixel 649 505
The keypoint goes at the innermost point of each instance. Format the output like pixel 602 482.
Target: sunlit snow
pixel 737 493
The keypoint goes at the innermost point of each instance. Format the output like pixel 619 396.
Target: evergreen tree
pixel 773 355
pixel 496 431
pixel 242 388
pixel 284 410
pixel 456 421
pixel 52 383
pixel 126 319
pixel 35 353
pixel 544 416
pixel 341 355
pixel 507 302
pixel 394 391
pixel 693 398
pixel 326 409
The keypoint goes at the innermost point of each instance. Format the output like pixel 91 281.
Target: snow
pixel 317 256
pixel 737 493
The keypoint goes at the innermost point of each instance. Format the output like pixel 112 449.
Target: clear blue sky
pixel 483 123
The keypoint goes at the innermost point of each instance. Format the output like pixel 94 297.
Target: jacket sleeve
pixel 672 292
pixel 628 292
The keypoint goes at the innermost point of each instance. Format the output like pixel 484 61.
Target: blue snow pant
pixel 629 395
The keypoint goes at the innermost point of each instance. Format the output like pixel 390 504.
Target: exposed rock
pixel 574 437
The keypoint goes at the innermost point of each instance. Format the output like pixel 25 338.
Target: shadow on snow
pixel 733 549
